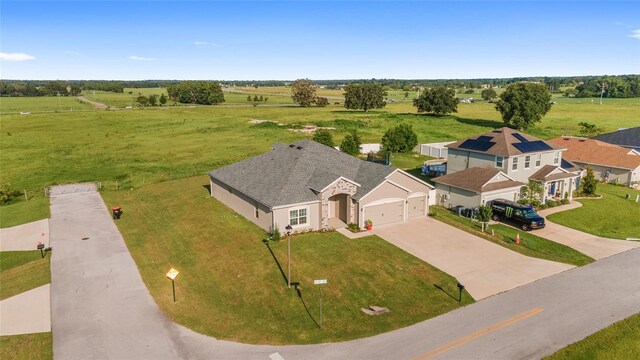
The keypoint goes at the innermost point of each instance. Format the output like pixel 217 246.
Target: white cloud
pixel 635 34
pixel 204 43
pixel 16 56
pixel 140 58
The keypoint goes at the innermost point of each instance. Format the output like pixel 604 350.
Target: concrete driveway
pixel 591 245
pixel 484 268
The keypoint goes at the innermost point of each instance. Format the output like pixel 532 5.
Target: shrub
pixel 542 206
pixel 353 227
pixel 324 137
pixel 8 195
pixel 275 234
pixel 552 203
pixel 564 201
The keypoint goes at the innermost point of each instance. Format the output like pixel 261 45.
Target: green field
pixel 618 341
pixel 595 215
pixel 27 347
pixel 41 103
pixel 230 285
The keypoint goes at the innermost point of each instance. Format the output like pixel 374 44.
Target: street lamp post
pixel 289 228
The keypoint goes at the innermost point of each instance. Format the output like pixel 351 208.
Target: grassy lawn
pixel 230 285
pixel 27 347
pixel 21 271
pixel 618 341
pixel 596 216
pixel 530 244
pixel 41 103
pixel 24 211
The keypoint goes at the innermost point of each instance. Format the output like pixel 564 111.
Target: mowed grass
pixel 618 341
pixel 613 216
pixel 27 347
pixel 21 271
pixel 24 211
pixel 505 236
pixel 230 285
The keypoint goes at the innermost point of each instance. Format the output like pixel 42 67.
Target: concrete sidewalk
pixel 26 313
pixel 483 267
pixel 24 237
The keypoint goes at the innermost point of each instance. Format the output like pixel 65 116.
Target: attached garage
pixel 474 187
pixel 386 213
pixel 416 206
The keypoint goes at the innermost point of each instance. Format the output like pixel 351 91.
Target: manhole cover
pixel 85 238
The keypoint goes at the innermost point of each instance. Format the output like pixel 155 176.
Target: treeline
pixel 196 92
pixel 626 86
pixel 49 88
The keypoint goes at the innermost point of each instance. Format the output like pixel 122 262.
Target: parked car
pixel 521 215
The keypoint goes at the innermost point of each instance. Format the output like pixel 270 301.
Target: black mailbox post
pixel 460 288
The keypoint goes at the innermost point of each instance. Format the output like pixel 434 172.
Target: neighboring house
pixel 628 138
pixel 313 187
pixel 512 156
pixel 610 163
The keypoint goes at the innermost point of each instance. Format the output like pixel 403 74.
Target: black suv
pixel 522 215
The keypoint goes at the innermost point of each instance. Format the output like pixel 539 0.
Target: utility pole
pixel 602 92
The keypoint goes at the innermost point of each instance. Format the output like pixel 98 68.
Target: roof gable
pixel 478 179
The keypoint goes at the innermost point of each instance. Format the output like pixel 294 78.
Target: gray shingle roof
pixel 628 138
pixel 475 179
pixel 289 174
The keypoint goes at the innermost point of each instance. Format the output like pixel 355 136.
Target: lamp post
pixel 289 228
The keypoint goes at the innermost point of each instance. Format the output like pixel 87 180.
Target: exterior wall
pixel 281 217
pixel 242 204
pixel 522 174
pixel 456 197
pixel 458 160
pixel 339 187
pixel 384 191
pixel 623 176
pixel 562 187
pixel 409 182
pixel 512 194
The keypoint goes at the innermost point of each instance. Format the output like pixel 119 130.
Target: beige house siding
pixel 521 173
pixel 458 160
pixel 242 204
pixel 384 191
pixel 281 217
pixel 512 194
pixel 409 182
pixel 623 176
pixel 456 196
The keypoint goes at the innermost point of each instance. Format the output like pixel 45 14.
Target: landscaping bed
pixel 505 236
pixel 231 285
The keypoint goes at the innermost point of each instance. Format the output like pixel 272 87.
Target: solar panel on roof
pixel 565 164
pixel 473 144
pixel 532 146
pixel 484 138
pixel 520 137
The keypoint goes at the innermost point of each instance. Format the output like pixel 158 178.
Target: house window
pixel 298 217
pixel 527 161
pixel 556 157
pixel 256 213
pixel 538 160
pixel 499 160
pixel 514 165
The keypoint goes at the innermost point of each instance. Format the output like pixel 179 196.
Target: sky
pixel 240 40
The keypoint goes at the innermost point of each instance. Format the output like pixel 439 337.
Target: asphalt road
pixel 101 309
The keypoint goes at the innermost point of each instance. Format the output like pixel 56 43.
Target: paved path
pixel 591 245
pixel 24 237
pixel 483 267
pixel 26 313
pixel 102 310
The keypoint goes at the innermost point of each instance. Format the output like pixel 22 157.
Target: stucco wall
pixel 409 182
pixel 242 204
pixel 456 197
pixel 622 175
pixel 281 217
pixel 512 194
pixel 458 160
pixel 384 191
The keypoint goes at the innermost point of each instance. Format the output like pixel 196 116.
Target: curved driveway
pixel 102 310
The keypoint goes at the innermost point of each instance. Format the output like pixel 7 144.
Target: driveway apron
pixel 484 268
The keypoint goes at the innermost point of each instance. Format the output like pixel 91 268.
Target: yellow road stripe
pixel 479 333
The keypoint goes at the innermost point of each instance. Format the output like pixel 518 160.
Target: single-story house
pixel 610 163
pixel 475 186
pixel 628 138
pixel 311 186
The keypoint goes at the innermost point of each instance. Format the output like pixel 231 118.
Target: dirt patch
pixel 94 103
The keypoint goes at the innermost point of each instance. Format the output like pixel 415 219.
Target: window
pixel 556 157
pixel 499 160
pixel 538 160
pixel 514 165
pixel 298 217
pixel 256 213
pixel 527 161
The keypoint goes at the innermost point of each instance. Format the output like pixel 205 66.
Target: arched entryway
pixel 339 208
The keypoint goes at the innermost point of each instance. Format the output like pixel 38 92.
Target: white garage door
pixel 416 206
pixel 507 196
pixel 384 213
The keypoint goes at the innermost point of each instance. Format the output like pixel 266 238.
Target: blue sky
pixel 316 39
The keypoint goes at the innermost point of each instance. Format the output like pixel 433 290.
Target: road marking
pixel 276 356
pixel 463 340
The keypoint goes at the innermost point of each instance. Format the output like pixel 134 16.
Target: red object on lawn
pixel 518 239
pixel 116 208
pixel 369 227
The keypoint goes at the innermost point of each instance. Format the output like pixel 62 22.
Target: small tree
pixel 532 192
pixel 323 136
pixel 153 100
pixel 142 100
pixel 484 215
pixel 590 130
pixel 589 183
pixel 249 98
pixel 400 139
pixel 303 92
pixel 163 99
pixel 322 101
pixel 488 94
pixel 523 104
pixel 438 100
pixel 349 145
pixel 406 95
pixel 364 97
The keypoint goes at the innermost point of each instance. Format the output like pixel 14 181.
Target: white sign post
pixel 320 282
pixel 171 275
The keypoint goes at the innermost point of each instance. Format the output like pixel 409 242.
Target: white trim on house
pixel 338 179
pixel 411 176
pixel 296 204
pixel 398 185
pixel 417 194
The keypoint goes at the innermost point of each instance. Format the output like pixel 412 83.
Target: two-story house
pixel 496 165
